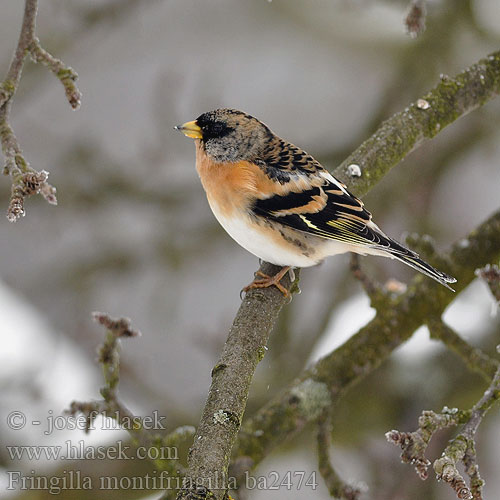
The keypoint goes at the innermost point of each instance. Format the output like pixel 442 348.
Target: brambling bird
pixel 279 203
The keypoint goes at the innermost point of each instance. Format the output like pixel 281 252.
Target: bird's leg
pixel 265 281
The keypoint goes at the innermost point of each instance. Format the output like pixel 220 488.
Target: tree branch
pixel 491 275
pixel 245 347
pixel 336 487
pixel 414 444
pixel 371 287
pixel 112 407
pixel 319 387
pixel 460 449
pixel 402 133
pixel 474 358
pixel 27 181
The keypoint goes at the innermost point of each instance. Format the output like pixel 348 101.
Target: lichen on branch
pixel 461 449
pixel 399 135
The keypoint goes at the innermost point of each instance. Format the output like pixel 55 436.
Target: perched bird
pixel 279 203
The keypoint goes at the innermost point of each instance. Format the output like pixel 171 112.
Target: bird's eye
pixel 217 128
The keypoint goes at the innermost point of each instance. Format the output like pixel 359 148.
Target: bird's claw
pixel 267 281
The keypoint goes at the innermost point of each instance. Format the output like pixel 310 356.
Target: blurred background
pixel 133 236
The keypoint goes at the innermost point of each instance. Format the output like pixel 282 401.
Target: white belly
pixel 246 233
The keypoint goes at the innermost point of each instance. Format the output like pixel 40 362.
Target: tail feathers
pixel 417 263
pixel 381 244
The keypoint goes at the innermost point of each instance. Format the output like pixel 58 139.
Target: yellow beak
pixel 190 129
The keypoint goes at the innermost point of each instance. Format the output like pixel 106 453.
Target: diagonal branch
pixel 27 181
pixel 398 136
pixel 208 459
pixel 476 360
pixel 323 384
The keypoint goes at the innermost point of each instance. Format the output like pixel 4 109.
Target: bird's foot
pixel 265 281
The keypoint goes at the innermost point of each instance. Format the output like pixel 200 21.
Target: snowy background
pixel 132 234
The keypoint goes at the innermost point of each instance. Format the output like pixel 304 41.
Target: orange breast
pixel 233 186
pixel 229 186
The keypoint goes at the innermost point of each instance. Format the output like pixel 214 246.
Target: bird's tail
pixel 414 261
pixel 381 244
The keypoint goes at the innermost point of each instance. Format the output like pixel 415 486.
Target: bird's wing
pixel 324 207
pixel 311 200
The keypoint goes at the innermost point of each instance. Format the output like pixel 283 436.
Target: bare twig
pixel 372 288
pixel 490 397
pixel 491 275
pixel 109 359
pixel 415 20
pixel 112 407
pixel 414 444
pixel 118 327
pixel 472 470
pixel 66 74
pixel 476 360
pixel 446 467
pixel 336 486
pixel 460 449
pixel 375 291
pixel 27 181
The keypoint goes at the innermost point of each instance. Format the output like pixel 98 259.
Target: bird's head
pixel 228 135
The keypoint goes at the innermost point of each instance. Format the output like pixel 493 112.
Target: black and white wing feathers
pixel 325 208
